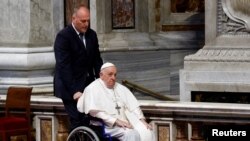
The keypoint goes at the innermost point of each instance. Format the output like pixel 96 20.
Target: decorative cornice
pixel 220 55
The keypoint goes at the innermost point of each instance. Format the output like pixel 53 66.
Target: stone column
pixel 27 30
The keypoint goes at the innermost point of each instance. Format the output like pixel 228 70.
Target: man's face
pixel 108 75
pixel 81 20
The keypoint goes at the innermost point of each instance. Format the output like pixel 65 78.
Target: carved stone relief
pixel 234 17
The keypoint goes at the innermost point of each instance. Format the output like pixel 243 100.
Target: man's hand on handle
pixel 77 95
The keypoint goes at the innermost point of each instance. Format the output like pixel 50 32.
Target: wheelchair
pixel 90 133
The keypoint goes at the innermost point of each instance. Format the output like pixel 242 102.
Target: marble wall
pixel 154 65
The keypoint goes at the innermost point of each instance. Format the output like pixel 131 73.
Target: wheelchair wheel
pixel 82 133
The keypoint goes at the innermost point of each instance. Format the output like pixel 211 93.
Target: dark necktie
pixel 82 37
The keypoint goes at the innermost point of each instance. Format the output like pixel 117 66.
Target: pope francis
pixel 116 106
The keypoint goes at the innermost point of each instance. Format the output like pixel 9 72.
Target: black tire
pixel 82 133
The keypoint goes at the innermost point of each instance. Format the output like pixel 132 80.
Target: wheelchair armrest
pixel 98 126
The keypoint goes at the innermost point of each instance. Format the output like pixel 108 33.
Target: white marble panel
pixel 14 21
pixel 41 21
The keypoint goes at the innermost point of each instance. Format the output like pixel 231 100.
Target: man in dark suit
pixel 78 63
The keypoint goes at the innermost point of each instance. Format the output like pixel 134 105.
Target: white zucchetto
pixel 108 64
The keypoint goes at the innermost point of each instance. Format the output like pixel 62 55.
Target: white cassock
pixel 98 99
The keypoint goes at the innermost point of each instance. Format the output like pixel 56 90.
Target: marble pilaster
pixel 27 31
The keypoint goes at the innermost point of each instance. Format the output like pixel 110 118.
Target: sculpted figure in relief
pixel 239 12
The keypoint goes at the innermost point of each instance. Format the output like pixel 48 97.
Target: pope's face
pixel 108 75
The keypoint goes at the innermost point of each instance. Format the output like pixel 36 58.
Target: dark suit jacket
pixel 75 66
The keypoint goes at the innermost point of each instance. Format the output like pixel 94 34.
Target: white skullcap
pixel 108 64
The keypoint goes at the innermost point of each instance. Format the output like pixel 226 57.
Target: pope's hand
pixel 123 124
pixel 77 95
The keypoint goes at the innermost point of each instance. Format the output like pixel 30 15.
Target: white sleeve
pixel 80 104
pixel 107 119
pixel 138 113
